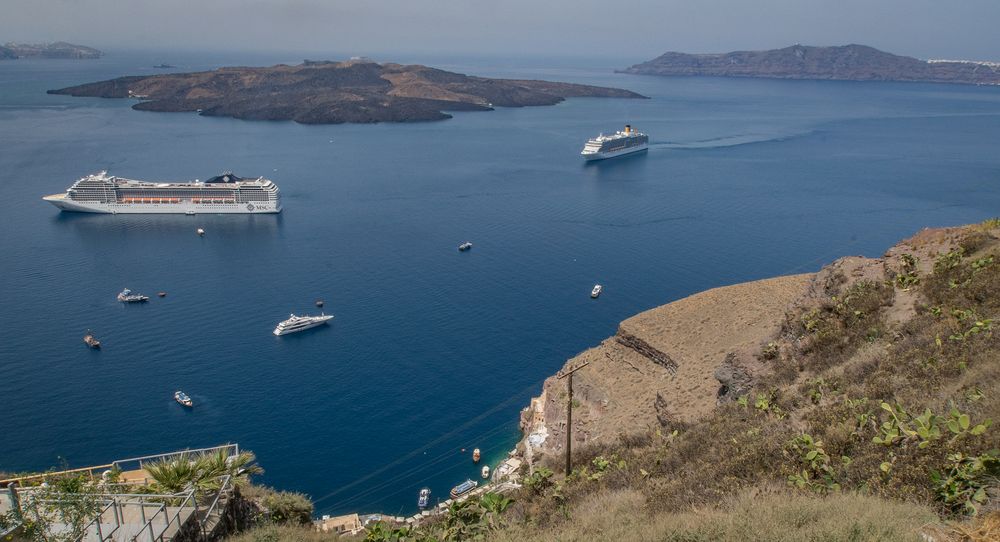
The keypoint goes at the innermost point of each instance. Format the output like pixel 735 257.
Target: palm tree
pixel 173 475
pixel 219 463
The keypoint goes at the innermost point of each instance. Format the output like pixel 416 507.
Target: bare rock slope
pixel 334 92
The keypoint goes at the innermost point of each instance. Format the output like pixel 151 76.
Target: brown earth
pixel 334 92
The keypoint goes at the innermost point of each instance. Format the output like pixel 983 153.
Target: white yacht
pixel 623 142
pixel 596 291
pixel 301 323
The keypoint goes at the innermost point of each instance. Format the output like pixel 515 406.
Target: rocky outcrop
pixel 848 62
pixel 334 92
pixel 661 369
pixel 59 49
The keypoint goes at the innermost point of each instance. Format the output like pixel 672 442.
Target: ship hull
pixel 181 208
pixel 591 157
pixel 311 325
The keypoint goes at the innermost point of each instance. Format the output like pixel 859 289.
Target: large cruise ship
pixel 226 193
pixel 622 142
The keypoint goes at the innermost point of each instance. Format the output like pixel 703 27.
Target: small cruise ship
pixel 126 296
pixel 183 398
pixel 463 488
pixel 622 142
pixel 226 193
pixel 301 323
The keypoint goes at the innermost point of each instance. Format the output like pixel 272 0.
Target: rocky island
pixel 59 49
pixel 321 92
pixel 846 63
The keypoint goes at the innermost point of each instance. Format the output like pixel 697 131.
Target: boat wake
pixel 727 141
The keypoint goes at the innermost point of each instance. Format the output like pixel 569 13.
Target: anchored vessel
pixel 463 488
pixel 91 341
pixel 226 193
pixel 126 296
pixel 424 499
pixel 464 246
pixel 300 323
pixel 596 291
pixel 623 142
pixel 183 398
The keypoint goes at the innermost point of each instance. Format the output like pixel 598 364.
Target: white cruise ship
pixel 300 323
pixel 226 193
pixel 623 142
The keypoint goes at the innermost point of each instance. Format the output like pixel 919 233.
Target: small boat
pixel 189 213
pixel 319 302
pixel 201 232
pixel 463 488
pixel 596 291
pixel 161 294
pixel 183 398
pixel 126 296
pixel 486 472
pixel 424 499
pixel 464 246
pixel 91 341
pixel 475 455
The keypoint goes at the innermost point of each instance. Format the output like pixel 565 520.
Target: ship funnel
pixel 628 128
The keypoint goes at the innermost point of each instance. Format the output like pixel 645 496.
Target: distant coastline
pixel 843 63
pixel 59 49
pixel 321 92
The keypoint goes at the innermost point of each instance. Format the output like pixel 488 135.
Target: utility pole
pixel 569 414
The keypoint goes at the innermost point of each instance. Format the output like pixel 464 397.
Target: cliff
pixel 660 368
pixel 59 49
pixel 848 62
pixel 334 92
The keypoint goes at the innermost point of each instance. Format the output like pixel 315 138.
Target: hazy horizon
pixel 518 28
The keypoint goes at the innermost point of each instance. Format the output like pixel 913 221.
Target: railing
pixel 224 488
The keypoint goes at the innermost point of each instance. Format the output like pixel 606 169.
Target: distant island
pixel 846 63
pixel 59 49
pixel 323 92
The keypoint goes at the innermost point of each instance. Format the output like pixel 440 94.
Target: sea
pixel 432 351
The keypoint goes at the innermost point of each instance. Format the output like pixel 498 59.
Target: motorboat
pixel 596 291
pixel 424 499
pixel 127 296
pixel 465 246
pixel 183 398
pixel 476 455
pixel 91 341
pixel 486 472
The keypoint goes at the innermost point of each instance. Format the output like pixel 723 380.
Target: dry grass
pixel 283 533
pixel 776 515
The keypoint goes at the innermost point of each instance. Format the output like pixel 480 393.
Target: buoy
pixel 201 231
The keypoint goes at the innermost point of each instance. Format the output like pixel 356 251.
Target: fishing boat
pixel 486 472
pixel 464 246
pixel 424 499
pixel 183 398
pixel 126 296
pixel 596 291
pixel 91 341
pixel 463 488
pixel 475 455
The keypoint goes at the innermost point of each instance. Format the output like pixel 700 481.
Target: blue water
pixel 431 350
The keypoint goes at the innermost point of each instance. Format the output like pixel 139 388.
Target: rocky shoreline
pixel 321 92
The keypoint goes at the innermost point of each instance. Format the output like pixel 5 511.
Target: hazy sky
pixel 611 28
